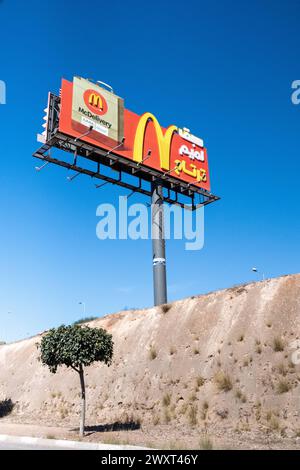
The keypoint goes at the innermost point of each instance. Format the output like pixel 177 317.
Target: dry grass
pixel 257 411
pixel 291 365
pixel 173 445
pixel 241 396
pixel 192 397
pixel 223 381
pixel 282 369
pixel 204 410
pixel 278 344
pixel 63 412
pixel 200 381
pixel 192 415
pixel 152 353
pixel 183 409
pixel 206 443
pixel 172 408
pixel 274 424
pixel 156 420
pixel 167 416
pixel 115 440
pixel 272 420
pixel 166 307
pixel 166 399
pixel 283 386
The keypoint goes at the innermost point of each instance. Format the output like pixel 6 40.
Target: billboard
pixel 89 109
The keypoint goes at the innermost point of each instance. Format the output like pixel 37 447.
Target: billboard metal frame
pixel 196 197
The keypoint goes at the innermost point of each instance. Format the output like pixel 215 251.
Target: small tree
pixel 76 347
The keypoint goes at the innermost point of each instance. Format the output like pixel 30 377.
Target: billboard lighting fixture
pixel 191 184
pixel 39 168
pixel 85 134
pixel 115 148
pixel 106 84
pixel 71 178
pixel 146 158
pixel 130 194
pixel 101 84
pixel 170 171
pixel 97 186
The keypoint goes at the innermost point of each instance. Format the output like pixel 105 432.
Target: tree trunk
pixel 82 416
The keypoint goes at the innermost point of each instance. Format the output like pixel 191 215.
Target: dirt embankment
pixel 219 364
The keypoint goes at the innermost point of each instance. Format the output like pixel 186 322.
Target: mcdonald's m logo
pixel 164 140
pixel 95 102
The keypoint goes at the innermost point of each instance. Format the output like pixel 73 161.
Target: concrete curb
pixel 60 443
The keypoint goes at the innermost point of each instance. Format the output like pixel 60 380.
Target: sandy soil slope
pixel 219 364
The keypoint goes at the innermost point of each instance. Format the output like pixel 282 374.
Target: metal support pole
pixel 158 244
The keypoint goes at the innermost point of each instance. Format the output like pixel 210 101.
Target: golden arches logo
pixel 163 140
pixel 96 101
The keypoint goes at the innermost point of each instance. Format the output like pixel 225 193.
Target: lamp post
pixel 255 270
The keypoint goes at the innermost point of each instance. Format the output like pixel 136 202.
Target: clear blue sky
pixel 222 68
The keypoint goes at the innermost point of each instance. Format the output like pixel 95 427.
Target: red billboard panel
pixel 172 150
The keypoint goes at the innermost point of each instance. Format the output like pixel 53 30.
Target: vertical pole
pixel 158 244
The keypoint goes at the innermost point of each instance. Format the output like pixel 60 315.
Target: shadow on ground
pixel 117 426
pixel 6 407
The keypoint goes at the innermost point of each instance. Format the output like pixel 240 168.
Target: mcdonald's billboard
pixel 86 106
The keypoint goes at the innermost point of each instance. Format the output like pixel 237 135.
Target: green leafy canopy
pixel 75 346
